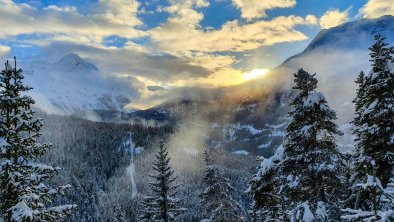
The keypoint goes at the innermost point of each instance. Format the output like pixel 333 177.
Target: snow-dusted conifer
pixel 216 199
pixel 23 195
pixel 263 187
pixel 374 122
pixel 162 204
pixel 312 166
pixel 370 196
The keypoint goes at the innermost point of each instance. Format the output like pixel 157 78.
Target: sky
pixel 174 43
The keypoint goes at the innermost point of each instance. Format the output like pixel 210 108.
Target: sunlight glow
pixel 255 73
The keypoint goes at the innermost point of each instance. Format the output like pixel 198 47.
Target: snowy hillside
pixel 354 35
pixel 73 84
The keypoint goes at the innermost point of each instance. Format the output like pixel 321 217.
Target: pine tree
pixel 370 196
pixel 374 118
pixel 312 167
pixel 267 203
pixel 23 195
pixel 162 205
pixel 119 214
pixel 216 200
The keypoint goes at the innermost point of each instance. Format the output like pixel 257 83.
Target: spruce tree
pixel 374 122
pixel 267 203
pixel 162 204
pixel 311 170
pixel 372 179
pixel 23 195
pixel 216 200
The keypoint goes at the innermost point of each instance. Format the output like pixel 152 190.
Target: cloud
pixel 113 17
pixel 251 9
pixel 377 8
pixel 4 50
pixel 333 18
pixel 181 35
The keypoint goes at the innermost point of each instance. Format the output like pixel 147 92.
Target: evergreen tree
pixel 119 214
pixel 23 195
pixel 311 179
pixel 302 180
pixel 312 167
pixel 267 203
pixel 162 205
pixel 216 200
pixel 370 197
pixel 374 122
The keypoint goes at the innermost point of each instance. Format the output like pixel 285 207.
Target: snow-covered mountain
pixel 354 35
pixel 73 84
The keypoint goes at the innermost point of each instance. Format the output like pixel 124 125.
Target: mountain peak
pixel 356 34
pixel 73 62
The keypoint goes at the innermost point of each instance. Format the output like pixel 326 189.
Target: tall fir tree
pixel 23 195
pixel 216 199
pixel 312 167
pixel 267 203
pixel 374 122
pixel 372 179
pixel 162 204
pixel 303 180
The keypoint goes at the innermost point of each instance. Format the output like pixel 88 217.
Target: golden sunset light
pixel 255 73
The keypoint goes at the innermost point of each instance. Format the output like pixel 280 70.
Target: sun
pixel 255 73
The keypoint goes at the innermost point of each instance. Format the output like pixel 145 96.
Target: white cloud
pixel 181 35
pixel 377 8
pixel 251 9
pixel 113 17
pixel 333 18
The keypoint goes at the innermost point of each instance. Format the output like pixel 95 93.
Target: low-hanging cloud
pixel 129 62
pixel 4 50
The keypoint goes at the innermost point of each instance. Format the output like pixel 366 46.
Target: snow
pixel 305 129
pixel 3 145
pixel 313 99
pixel 371 107
pixel 250 128
pixel 321 212
pixel 292 181
pixel 268 163
pixel 191 151
pixel 303 213
pixel 371 182
pixel 275 129
pixel 308 216
pixel 21 212
pixel 277 126
pixel 241 152
pixel 265 145
pixel 131 168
